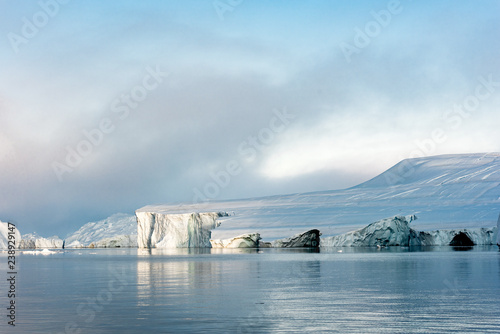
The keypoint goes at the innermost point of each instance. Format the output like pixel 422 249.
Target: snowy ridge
pixel 118 229
pixel 445 192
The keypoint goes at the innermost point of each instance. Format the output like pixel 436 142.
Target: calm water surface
pixel 392 290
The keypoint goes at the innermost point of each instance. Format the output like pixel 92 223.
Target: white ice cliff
pixel 458 237
pixel 175 230
pixel 393 231
pixel 4 236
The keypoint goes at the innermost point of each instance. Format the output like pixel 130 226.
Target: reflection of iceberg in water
pixel 157 275
pixel 219 286
pixel 250 289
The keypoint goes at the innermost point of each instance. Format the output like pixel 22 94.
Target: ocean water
pixel 392 290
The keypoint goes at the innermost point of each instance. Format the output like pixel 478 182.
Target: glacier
pixel 456 197
pixel 448 193
pixel 396 231
pixel 33 240
pixel 156 229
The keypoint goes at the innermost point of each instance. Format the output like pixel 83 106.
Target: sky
pixel 107 106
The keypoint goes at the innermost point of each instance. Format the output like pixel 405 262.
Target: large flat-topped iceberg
pixel 175 230
pixel 446 192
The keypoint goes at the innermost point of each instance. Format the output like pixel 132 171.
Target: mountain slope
pixel 119 224
pixel 448 191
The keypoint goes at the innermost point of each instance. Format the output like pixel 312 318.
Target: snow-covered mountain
pixel 448 192
pixel 117 230
pixel 445 192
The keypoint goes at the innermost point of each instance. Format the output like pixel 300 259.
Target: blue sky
pixel 186 99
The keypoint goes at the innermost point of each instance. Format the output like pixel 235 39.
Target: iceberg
pixel 4 236
pixel 396 231
pixel 454 237
pixel 33 240
pixel 309 238
pixel 446 192
pixel 175 230
pixel 249 240
pixel 393 231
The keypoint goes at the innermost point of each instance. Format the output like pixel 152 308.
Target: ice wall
pixel 166 230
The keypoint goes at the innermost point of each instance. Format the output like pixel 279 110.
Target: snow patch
pixel 119 224
pixel 33 240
